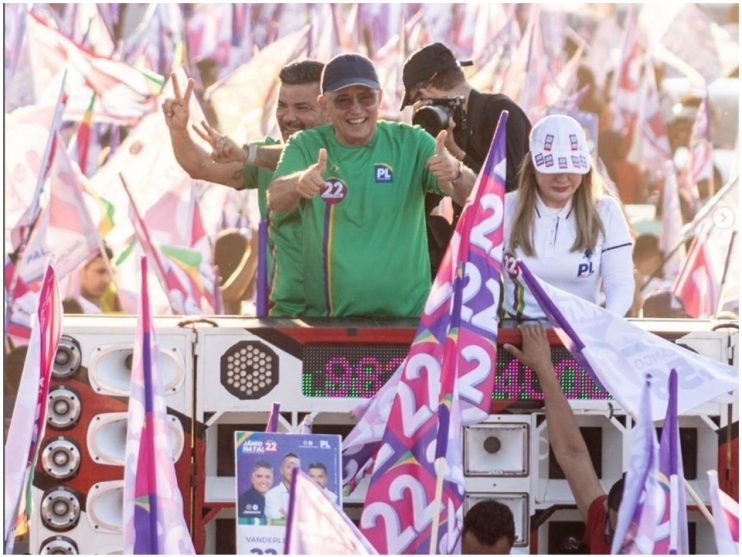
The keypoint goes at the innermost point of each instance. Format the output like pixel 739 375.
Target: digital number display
pixel 359 371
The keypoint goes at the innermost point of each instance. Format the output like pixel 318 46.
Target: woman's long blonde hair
pixel 584 207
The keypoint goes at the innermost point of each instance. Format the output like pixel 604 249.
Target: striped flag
pixel 449 363
pixel 726 517
pixel 272 426
pixel 641 504
pixel 28 422
pixel 153 521
pixel 671 535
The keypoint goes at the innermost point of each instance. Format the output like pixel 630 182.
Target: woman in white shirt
pixel 563 229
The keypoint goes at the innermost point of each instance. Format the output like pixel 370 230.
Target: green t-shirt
pixel 257 177
pixel 365 244
pixel 285 289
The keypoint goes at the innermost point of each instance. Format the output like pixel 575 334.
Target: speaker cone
pixel 63 409
pixel 68 358
pixel 58 545
pixel 61 458
pixel 60 509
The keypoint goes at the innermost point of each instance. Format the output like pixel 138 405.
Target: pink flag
pixel 625 87
pixel 153 516
pixel 650 146
pixel 726 517
pixel 317 526
pixel 449 364
pixel 179 289
pixel 64 235
pixel 28 422
pixel 125 93
pixel 701 149
pixel 22 228
pixel 712 264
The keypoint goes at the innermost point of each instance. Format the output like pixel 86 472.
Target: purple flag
pixel 672 530
pixel 272 426
pixel 642 500
pixel 153 508
pixel 618 354
pixel 28 421
pixel 451 358
pixel 317 526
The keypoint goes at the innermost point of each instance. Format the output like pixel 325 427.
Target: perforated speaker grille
pixel 249 370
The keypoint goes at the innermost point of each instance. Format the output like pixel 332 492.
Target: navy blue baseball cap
pixel 345 70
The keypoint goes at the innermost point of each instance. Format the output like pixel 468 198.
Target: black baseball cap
pixel 345 70
pixel 425 63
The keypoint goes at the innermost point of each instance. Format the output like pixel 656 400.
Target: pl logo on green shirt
pixel 383 174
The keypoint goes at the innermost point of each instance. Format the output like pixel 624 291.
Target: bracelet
pixel 252 154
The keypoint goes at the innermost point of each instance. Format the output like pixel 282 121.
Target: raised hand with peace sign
pixel 176 109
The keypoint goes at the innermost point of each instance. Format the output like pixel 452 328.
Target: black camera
pixel 437 115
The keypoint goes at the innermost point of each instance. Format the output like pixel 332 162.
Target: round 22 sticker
pixel 334 191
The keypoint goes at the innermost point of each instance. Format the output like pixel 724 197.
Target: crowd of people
pixel 357 211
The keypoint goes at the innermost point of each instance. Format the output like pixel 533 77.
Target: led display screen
pixel 359 371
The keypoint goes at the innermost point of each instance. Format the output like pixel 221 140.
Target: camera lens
pixel 431 118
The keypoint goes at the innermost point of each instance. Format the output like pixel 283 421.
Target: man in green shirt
pixel 251 167
pixel 359 185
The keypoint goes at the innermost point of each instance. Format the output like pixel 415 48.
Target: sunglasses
pixel 344 102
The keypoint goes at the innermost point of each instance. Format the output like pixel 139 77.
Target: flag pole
pixel 700 504
pixel 440 469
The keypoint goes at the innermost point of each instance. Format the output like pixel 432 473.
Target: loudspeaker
pixel 498 447
pixel 518 503
pixel 106 439
pixel 78 480
pixel 105 507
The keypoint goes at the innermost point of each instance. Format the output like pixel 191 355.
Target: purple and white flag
pixel 449 364
pixel 28 421
pixel 153 507
pixel 726 517
pixel 618 354
pixel 641 505
pixel 671 535
pixel 317 526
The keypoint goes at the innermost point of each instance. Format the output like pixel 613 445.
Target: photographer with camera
pixel 433 75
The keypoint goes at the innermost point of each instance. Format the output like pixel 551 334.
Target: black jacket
pixel 482 112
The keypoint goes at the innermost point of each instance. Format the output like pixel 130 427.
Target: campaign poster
pixel 264 463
